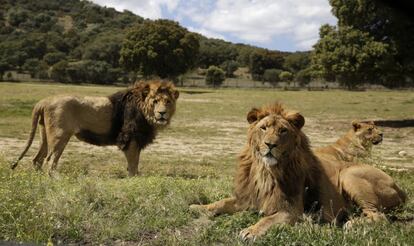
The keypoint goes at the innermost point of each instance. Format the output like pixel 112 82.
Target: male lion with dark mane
pixel 129 119
pixel 356 143
pixel 280 176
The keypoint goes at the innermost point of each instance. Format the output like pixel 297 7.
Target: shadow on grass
pixel 395 123
pixel 194 92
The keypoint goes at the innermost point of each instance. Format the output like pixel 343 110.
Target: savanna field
pixel 193 161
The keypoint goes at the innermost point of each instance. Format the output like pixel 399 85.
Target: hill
pixel 82 39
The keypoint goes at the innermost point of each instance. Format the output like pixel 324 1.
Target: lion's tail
pixel 36 113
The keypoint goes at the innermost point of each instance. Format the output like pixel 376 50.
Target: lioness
pixel 129 119
pixel 280 176
pixel 356 143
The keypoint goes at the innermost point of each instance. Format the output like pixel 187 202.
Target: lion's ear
pixel 175 94
pixel 356 125
pixel 253 115
pixel 296 119
pixel 145 90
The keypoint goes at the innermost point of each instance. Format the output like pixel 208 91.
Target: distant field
pixel 192 161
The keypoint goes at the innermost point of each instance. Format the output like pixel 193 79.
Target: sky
pixel 287 25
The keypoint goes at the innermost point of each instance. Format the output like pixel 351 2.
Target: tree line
pixel 78 41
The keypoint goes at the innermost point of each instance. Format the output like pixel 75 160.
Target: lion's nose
pixel 270 145
pixel 162 113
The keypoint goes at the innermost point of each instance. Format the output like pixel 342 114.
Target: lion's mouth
pixel 269 159
pixel 375 142
pixel 162 120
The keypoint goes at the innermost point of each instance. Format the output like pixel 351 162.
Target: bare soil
pixel 230 138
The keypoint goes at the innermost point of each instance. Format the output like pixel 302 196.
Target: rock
pixel 402 153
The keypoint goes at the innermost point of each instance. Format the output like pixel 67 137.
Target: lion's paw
pixel 200 209
pixel 250 234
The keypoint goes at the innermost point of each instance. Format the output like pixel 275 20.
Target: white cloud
pixel 206 33
pixel 262 21
pixel 146 8
pixel 251 21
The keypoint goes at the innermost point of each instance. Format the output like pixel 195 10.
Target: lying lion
pixel 355 144
pixel 280 176
pixel 129 119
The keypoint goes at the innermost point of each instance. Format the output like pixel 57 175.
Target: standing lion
pixel 129 119
pixel 279 176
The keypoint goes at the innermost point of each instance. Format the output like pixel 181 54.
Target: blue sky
pixel 287 25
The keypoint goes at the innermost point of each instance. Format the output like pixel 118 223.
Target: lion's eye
pixel 167 102
pixel 283 131
pixel 155 101
pixel 263 128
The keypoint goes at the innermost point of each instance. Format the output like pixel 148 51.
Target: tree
pixel 215 52
pixel 303 76
pixel 34 45
pixel 17 16
pixel 285 76
pixel 58 72
pixel 32 66
pixel 215 76
pixel 91 71
pixel 3 68
pixel 297 61
pixel 260 60
pixel 387 26
pixel 244 55
pixel 105 47
pixel 272 76
pixel 229 67
pixel 160 47
pixel 54 57
pixel 350 56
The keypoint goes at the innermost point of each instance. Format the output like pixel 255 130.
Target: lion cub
pixel 356 143
pixel 129 119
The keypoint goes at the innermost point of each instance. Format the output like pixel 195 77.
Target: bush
pixel 304 76
pixel 272 75
pixel 99 72
pixel 54 57
pixel 286 76
pixel 215 76
pixel 32 66
pixel 229 67
pixel 58 72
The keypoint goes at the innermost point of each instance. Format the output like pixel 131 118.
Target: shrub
pixel 215 76
pixel 272 75
pixel 286 76
pixel 304 76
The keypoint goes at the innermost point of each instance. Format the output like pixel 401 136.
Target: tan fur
pixel 279 175
pixel 355 144
pixel 61 117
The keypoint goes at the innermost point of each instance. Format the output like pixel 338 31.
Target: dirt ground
pixel 396 150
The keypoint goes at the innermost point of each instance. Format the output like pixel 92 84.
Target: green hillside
pixel 45 37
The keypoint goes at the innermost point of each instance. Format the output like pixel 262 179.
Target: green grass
pixel 193 161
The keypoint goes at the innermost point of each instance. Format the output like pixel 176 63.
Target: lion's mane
pixel 131 117
pixel 259 188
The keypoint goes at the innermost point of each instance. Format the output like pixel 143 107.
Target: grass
pixel 193 161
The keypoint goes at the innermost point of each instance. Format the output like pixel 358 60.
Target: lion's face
pixel 273 135
pixel 367 133
pixel 160 101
